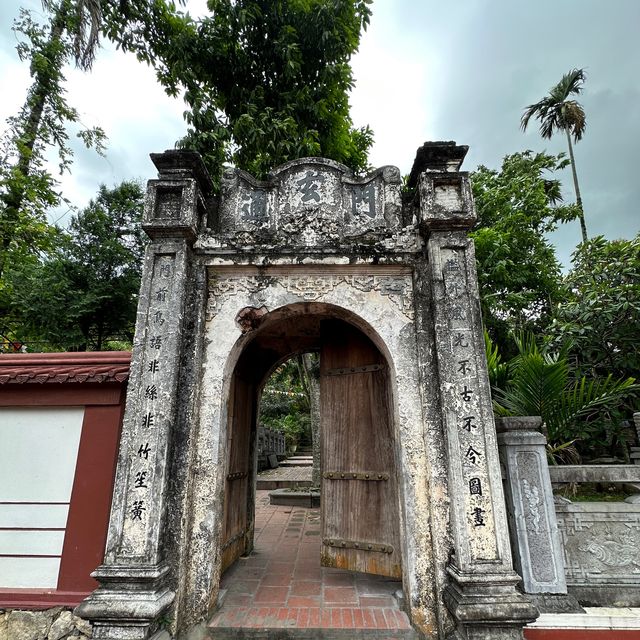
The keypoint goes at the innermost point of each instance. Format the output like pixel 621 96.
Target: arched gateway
pixel 385 289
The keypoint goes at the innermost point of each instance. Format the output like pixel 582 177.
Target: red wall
pixel 97 382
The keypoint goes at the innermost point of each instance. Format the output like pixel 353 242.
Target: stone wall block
pixel 48 624
pixel 601 543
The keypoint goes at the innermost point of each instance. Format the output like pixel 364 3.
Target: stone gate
pixel 232 287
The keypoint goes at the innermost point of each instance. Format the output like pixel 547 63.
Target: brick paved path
pixel 282 586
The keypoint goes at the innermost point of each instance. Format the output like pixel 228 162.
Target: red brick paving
pixel 282 585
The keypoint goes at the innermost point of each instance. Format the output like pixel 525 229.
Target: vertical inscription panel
pixel 466 402
pixel 150 414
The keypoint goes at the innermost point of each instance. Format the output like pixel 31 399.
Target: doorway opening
pixel 303 561
pixel 289 425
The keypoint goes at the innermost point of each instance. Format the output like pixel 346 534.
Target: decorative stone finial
pixel 442 157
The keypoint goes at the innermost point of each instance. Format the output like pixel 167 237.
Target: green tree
pixel 600 311
pixel 85 293
pixel 518 271
pixel 265 82
pixel 557 111
pixel 27 188
pixel 575 408
pixel 285 402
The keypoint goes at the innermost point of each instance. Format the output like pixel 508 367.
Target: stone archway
pixel 400 269
pixel 361 514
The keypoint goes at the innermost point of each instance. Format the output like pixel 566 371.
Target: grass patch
pixel 593 492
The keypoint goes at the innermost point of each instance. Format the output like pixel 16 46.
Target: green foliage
pixel 518 271
pixel 84 295
pixel 556 111
pixel 574 408
pixel 265 82
pixel 27 189
pixel 285 402
pixel 600 311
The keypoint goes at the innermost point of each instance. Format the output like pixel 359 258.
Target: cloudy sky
pixel 426 70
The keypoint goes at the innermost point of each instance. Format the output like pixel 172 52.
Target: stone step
pixel 328 623
pixel 275 483
pixel 296 463
pixel 240 633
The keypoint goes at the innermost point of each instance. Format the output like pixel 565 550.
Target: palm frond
pixel 584 397
pixel 537 381
pixel 570 84
pixel 556 111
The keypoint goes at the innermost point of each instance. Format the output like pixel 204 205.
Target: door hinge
pixel 337 543
pixel 237 475
pixel 343 371
pixel 356 475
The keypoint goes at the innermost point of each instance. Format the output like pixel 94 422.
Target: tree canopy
pixel 84 294
pixel 265 82
pixel 518 271
pixel 599 313
pixel 27 187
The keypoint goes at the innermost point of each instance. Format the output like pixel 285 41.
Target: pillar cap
pixel 518 423
pixel 181 163
pixel 440 156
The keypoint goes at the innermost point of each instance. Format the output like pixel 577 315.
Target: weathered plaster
pixel 311 241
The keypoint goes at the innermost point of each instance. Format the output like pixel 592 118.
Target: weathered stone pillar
pixel 133 579
pixel 481 594
pixel 537 548
pixel 635 451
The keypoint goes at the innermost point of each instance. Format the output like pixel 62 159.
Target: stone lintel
pixel 131 574
pixel 521 438
pixel 628 473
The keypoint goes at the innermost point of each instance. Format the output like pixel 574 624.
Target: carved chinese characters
pixel 465 410
pixel 306 203
pixel 152 406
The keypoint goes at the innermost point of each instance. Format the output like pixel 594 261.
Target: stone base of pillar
pixel 128 602
pixel 487 606
pixel 556 603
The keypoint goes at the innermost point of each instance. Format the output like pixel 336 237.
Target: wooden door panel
pixel 239 473
pixel 360 528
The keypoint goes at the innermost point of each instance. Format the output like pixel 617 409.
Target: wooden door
pixel 237 532
pixel 360 522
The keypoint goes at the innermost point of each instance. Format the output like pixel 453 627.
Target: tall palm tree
pixel 556 111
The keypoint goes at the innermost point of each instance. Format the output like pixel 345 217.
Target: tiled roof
pixel 40 368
